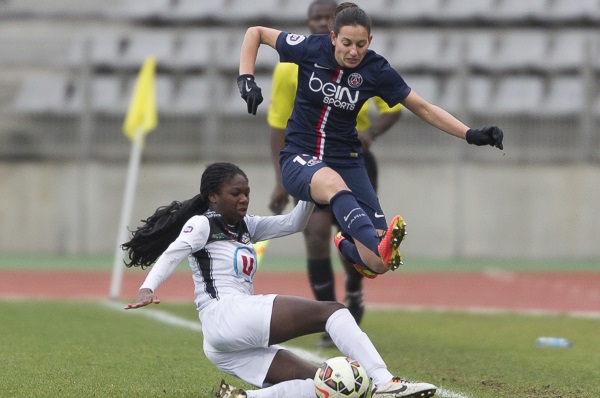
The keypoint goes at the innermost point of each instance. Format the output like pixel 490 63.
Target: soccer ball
pixel 342 377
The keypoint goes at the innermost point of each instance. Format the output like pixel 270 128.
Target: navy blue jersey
pixel 328 99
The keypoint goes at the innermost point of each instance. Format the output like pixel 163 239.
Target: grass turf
pixel 75 349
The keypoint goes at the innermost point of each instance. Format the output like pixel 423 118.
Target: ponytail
pixel 150 240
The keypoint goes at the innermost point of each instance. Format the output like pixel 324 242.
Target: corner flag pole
pixel 140 120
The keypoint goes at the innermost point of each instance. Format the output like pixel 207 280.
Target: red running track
pixel 568 292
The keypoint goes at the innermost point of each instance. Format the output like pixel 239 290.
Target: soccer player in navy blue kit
pixel 322 159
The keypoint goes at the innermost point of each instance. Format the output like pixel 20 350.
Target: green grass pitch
pixel 81 349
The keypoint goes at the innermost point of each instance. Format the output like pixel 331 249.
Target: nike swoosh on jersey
pixel 377 215
pixel 321 66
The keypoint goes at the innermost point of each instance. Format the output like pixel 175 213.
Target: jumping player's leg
pixel 307 178
pixel 354 279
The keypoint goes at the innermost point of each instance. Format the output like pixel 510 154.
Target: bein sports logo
pixel 336 95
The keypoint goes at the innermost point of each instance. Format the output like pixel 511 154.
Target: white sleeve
pixel 192 238
pixel 263 228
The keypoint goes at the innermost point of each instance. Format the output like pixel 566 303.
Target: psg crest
pixel 355 80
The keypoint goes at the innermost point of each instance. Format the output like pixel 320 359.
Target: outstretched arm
pixel 434 115
pixel 439 118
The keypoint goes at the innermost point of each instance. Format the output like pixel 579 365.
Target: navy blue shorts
pixel 297 172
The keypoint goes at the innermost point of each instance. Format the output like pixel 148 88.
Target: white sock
pixel 354 343
pixel 286 389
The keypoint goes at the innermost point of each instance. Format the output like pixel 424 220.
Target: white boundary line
pixel 173 320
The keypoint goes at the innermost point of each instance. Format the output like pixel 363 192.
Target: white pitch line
pixel 173 320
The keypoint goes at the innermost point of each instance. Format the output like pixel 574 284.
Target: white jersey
pixel 221 255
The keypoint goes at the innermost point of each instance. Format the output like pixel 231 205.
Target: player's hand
pixel 279 199
pixel 145 297
pixel 488 135
pixel 250 92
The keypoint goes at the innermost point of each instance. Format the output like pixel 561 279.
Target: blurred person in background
pixel 318 231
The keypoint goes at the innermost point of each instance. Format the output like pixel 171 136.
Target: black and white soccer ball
pixel 342 377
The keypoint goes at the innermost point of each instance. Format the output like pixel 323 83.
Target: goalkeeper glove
pixel 489 135
pixel 251 93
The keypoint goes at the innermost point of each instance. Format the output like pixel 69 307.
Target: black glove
pixel 251 93
pixel 489 135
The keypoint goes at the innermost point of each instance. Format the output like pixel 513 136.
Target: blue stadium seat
pixel 455 11
pixel 44 94
pixel 427 86
pixel 566 97
pixel 520 11
pixel 569 11
pixel 193 51
pixel 518 50
pixel 418 51
pixel 246 12
pixel 403 10
pixel 194 96
pixel 106 96
pixel 138 10
pixel 193 11
pixel 105 50
pixel 567 52
pixel 140 46
pixel 517 95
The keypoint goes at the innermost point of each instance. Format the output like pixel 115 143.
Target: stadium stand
pixel 528 63
pixel 516 95
pixel 569 11
pixel 427 52
pixel 191 12
pixel 519 11
pixel 138 10
pixel 565 97
pixel 45 94
pixel 192 97
pixel 566 52
pixel 512 51
pixel 193 51
pixel 466 11
pixel 408 11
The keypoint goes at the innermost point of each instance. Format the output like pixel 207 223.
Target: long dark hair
pixel 349 14
pixel 151 239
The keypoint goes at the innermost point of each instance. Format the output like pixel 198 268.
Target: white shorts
pixel 236 336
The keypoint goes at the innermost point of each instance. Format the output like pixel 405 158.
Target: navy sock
pixel 353 220
pixel 320 275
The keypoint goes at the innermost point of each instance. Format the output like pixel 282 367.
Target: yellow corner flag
pixel 142 107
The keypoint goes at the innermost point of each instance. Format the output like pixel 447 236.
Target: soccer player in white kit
pixel 242 330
